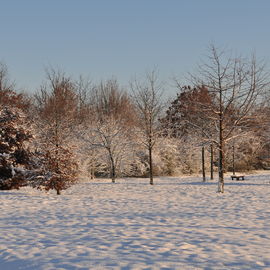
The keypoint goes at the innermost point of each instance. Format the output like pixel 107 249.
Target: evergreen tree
pixel 15 156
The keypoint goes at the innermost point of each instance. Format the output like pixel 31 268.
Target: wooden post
pixel 203 165
pixel 151 167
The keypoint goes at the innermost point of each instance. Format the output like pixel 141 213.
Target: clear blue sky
pixel 121 38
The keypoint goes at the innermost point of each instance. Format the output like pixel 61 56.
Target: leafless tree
pixel 109 99
pixel 110 140
pixel 147 96
pixel 107 127
pixel 8 95
pixel 5 83
pixel 236 83
pixel 84 89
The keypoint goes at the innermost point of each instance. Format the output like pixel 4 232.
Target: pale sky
pixel 123 38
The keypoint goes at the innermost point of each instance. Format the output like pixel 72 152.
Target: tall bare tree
pixel 109 99
pixel 236 83
pixel 107 129
pixel 147 96
pixel 113 136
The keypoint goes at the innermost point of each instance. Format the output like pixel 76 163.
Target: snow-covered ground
pixel 179 223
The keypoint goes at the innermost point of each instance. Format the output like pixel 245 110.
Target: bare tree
pixel 109 139
pixel 84 90
pixel 236 83
pixel 8 95
pixel 5 83
pixel 107 127
pixel 147 97
pixel 109 99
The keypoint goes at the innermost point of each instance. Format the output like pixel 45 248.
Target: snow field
pixel 179 223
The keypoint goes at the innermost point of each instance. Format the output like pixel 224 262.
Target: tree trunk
pixel 203 165
pixel 58 192
pixel 221 172
pixel 211 162
pixel 92 173
pixel 113 173
pixel 221 158
pixel 151 167
pixel 221 143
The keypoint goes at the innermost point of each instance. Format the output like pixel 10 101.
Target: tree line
pixel 72 128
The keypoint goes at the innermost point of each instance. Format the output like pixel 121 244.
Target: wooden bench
pixel 238 177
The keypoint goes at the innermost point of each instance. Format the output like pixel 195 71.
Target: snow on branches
pixel 15 157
